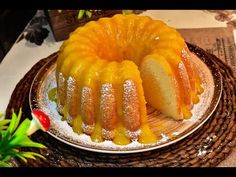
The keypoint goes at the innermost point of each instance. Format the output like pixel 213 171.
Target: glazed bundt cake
pixel 108 69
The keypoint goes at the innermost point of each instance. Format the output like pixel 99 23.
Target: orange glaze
pixel 100 89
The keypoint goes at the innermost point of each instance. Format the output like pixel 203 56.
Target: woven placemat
pixel 207 146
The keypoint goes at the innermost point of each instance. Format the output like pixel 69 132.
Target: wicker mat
pixel 207 146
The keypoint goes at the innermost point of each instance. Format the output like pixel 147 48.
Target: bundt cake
pixel 108 69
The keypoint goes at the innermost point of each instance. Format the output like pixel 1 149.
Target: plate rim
pixel 211 67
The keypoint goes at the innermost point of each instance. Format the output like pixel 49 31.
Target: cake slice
pixel 160 86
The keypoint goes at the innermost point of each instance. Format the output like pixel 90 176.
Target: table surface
pixel 23 55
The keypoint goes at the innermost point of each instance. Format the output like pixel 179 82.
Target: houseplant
pixel 15 135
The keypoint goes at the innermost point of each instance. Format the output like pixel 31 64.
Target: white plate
pixel 172 132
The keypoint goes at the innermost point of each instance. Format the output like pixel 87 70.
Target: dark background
pixel 12 23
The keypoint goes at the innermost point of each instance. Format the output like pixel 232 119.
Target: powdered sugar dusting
pixel 108 134
pixel 131 109
pixel 70 87
pixel 87 128
pixel 134 134
pixel 85 96
pixel 106 96
pixel 87 108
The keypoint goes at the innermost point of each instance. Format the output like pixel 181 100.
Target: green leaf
pixel 3 128
pixel 29 155
pixel 5 140
pixel 8 154
pixel 18 119
pixel 81 14
pixel 4 122
pixel 37 155
pixel 24 141
pixel 22 129
pixel 1 115
pixel 4 164
pixel 88 13
pixel 32 144
pixel 21 157
pixel 14 136
pixel 12 123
